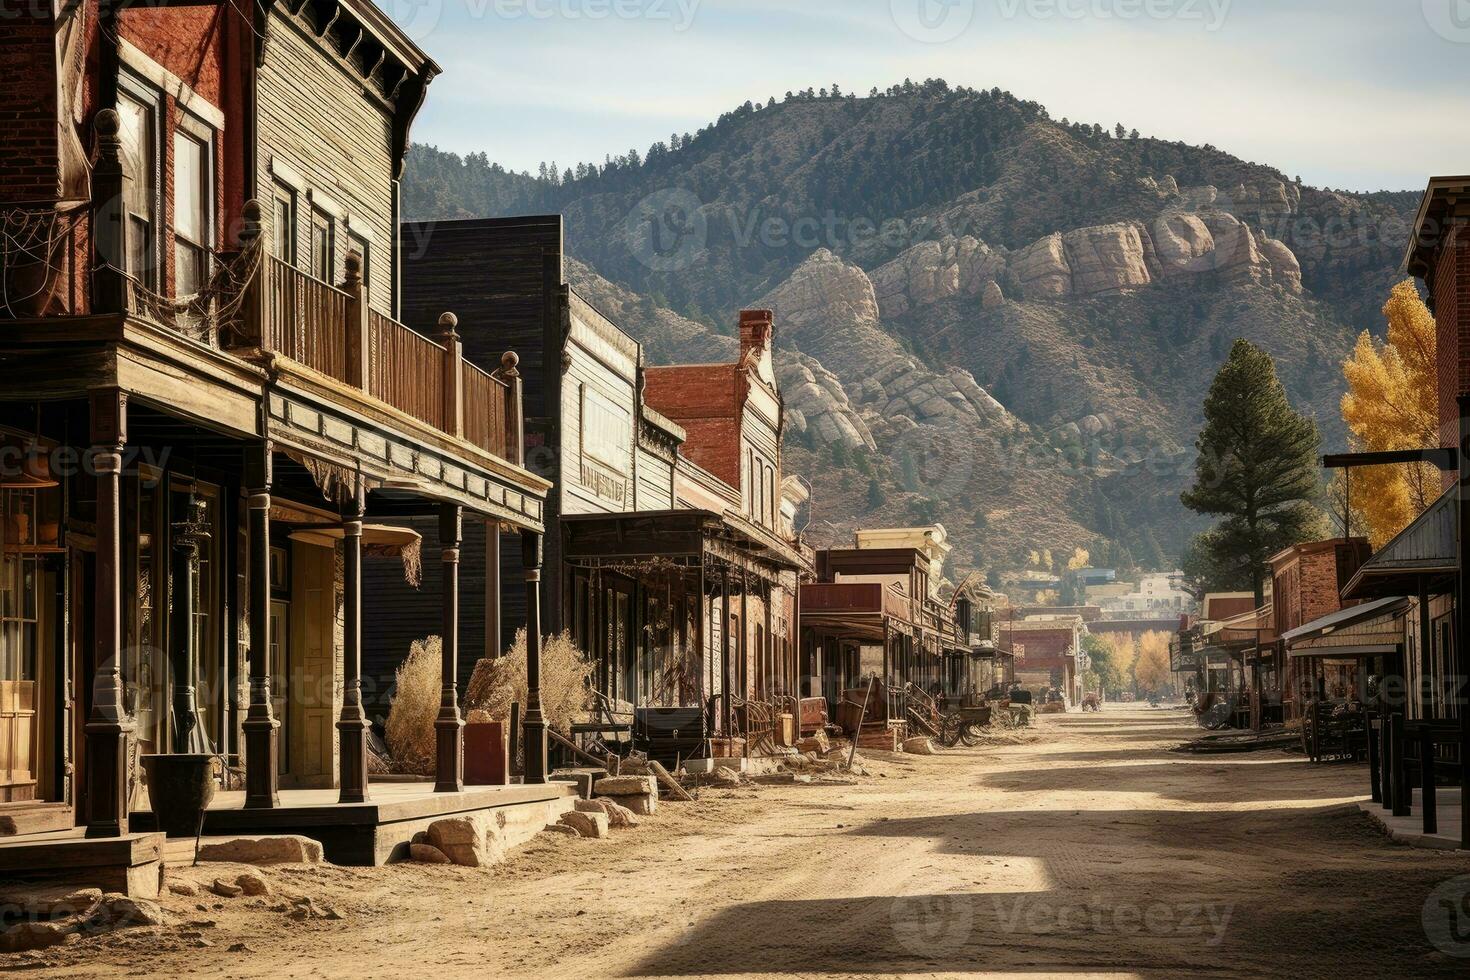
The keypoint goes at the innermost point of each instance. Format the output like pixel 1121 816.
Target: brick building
pixel 200 303
pixel 1047 653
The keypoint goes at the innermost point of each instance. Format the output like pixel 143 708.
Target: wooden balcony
pixel 334 332
pixel 853 598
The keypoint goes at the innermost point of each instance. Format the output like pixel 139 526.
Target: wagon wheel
pixel 950 730
pixel 969 733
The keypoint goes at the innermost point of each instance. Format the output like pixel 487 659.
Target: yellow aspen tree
pixel 1391 404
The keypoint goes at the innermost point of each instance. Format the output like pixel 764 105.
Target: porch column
pixel 449 726
pixel 493 648
pixel 108 728
pixel 534 726
pixel 352 724
pixel 1461 671
pixel 729 705
pixel 262 730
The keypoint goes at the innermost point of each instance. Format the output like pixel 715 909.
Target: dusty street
pixel 1088 850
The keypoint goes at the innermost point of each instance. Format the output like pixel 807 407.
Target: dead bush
pixel 418 689
pixel 566 674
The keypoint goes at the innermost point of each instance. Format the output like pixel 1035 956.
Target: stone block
pixel 271 849
pixel 590 825
pixel 625 786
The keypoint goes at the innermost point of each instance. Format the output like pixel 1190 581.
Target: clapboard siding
pixel 655 482
pixel 600 383
pixel 317 121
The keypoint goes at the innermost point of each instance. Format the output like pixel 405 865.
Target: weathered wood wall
pixel 328 139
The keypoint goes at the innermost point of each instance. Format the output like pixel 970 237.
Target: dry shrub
pixel 566 674
pixel 410 725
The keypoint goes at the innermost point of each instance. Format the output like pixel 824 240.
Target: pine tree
pixel 1257 469
pixel 875 495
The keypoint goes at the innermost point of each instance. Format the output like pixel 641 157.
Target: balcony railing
pixel 333 331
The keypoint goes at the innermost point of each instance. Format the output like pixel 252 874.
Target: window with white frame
pixel 193 214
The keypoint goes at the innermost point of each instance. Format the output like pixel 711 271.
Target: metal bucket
pixel 180 787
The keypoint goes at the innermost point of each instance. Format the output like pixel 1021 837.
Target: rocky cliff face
pixel 1025 360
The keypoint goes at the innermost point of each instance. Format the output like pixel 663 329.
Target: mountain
pixel 994 319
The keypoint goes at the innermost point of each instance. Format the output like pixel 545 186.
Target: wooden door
pixel 312 699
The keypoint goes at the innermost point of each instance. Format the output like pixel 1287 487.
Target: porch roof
pixel 688 535
pixel 1358 631
pixel 1423 550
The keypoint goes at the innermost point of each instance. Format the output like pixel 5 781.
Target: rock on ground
pixel 48 901
pixel 617 814
pixel 273 849
pixel 592 825
pixel 625 786
pixel 253 884
pixel 427 854
pixel 919 746
pixel 466 840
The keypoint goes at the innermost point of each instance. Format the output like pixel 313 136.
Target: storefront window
pixel 28 531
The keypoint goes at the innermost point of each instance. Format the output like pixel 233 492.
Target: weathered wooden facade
pixel 875 612
pixel 217 417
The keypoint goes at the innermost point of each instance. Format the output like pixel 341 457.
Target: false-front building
pixel 210 402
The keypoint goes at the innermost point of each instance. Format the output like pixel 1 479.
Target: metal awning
pixel 1423 550
pixel 1358 631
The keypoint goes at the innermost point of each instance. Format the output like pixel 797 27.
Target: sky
pixel 1352 94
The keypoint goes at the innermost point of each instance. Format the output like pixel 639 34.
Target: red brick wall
pixel 28 163
pixel 703 398
pixel 1318 584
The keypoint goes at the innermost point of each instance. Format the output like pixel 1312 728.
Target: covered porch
pixel 691 617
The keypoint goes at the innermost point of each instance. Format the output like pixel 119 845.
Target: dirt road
pixel 1091 850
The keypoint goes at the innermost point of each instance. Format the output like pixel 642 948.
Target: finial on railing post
pixel 109 218
pixel 359 341
pixel 453 374
pixel 515 427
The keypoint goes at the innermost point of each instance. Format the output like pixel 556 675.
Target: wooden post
pixel 250 329
pixel 453 374
pixel 1462 616
pixel 110 284
pixel 494 650
pixel 535 723
pixel 1399 775
pixel 728 704
pixel 1375 760
pixel 358 340
pixel 260 726
pixel 449 726
pixel 1426 777
pixel 108 726
pixel 515 415
pixel 352 723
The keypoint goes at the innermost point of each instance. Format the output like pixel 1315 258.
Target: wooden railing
pixel 334 331
pixel 305 319
pixel 486 410
pixel 406 370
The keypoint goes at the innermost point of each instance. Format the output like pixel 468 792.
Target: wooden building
pixel 217 417
pixel 674 558
pixel 1048 652
pixel 875 611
